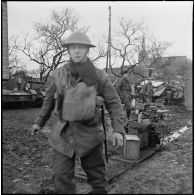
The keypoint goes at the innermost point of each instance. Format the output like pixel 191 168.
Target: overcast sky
pixel 169 21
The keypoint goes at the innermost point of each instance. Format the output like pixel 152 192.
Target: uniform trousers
pixel 93 164
pixel 127 103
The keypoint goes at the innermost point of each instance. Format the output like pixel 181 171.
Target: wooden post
pixel 188 87
pixel 108 58
pixel 109 43
pixel 5 61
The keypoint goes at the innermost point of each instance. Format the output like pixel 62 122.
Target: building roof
pixel 154 83
pixel 170 60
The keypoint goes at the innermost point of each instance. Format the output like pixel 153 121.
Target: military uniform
pixel 124 90
pixel 147 92
pixel 83 139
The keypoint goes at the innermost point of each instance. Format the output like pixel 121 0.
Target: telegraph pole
pixel 109 42
pixel 108 59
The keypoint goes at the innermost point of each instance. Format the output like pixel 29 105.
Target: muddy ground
pixel 27 159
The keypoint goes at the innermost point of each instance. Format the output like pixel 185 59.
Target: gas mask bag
pixel 79 102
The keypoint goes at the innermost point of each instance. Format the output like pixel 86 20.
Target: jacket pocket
pixel 57 130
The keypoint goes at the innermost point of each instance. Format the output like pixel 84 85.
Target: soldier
pixel 168 96
pixel 124 90
pixel 27 86
pixel 150 92
pixel 78 132
pixel 147 91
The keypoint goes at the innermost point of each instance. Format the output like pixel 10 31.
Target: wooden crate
pixel 131 148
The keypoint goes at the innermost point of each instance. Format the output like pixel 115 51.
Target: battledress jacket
pixel 79 137
pixel 124 88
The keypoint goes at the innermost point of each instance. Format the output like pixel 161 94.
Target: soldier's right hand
pixel 35 129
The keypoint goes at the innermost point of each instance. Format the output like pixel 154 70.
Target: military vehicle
pixel 17 92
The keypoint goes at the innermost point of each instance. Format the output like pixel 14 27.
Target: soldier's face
pixel 78 52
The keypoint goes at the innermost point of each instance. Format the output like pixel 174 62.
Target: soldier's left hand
pixel 117 140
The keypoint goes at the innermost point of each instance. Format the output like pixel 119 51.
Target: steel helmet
pixel 78 38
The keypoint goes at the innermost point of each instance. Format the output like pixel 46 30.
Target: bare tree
pixel 99 51
pixel 125 48
pixel 153 59
pixel 131 43
pixel 15 63
pixel 46 47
